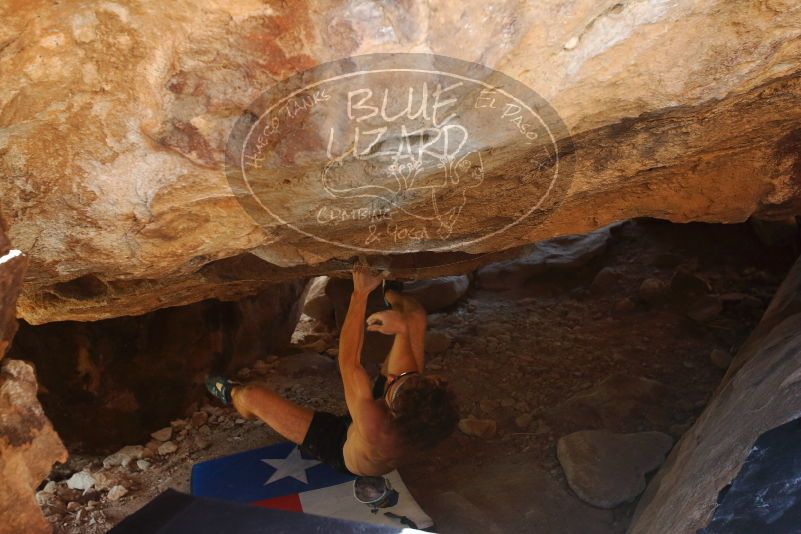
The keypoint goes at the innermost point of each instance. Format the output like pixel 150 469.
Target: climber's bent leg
pixel 284 416
pixel 321 434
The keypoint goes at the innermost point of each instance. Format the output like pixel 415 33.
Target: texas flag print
pixel 285 478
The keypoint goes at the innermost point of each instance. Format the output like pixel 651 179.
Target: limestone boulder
pixel 560 253
pixel 114 118
pixel 606 469
pixel 317 304
pixel 438 293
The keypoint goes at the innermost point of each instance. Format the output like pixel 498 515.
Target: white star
pixel 294 466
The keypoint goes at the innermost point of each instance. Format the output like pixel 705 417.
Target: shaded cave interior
pixel 592 327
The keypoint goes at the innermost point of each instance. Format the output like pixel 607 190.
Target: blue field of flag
pixel 264 473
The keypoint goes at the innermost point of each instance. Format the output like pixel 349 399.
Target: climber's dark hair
pixel 425 411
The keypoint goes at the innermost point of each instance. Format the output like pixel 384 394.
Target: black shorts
pixel 326 438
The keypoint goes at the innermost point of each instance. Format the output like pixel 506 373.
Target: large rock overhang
pixel 113 121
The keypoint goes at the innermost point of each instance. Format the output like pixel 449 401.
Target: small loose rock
pixel 487 405
pixel 142 465
pixel 199 419
pixel 705 309
pixel 168 447
pixel 625 305
pixel 162 435
pixel 123 456
pixel 481 428
pixel 116 493
pixel 260 366
pixel 605 280
pixel 652 290
pixel 523 421
pixel 81 480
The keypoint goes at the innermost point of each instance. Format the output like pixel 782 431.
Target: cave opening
pixel 604 344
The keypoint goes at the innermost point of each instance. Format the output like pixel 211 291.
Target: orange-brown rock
pixel 28 444
pixel 12 269
pixel 28 448
pixel 114 116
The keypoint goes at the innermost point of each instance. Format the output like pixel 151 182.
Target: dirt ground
pixel 566 351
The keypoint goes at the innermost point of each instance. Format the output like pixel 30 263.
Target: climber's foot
pixel 388 288
pixel 221 388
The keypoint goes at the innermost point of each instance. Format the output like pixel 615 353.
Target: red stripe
pixel 289 503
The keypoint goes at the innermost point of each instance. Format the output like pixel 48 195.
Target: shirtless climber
pixel 404 410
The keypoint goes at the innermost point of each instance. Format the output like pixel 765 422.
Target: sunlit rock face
pixel 114 119
pixel 12 270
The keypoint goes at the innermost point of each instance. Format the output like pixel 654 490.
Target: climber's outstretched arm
pixel 358 393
